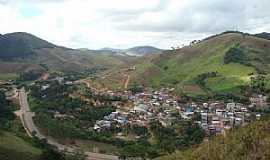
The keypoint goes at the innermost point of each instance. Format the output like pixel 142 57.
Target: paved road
pixel 30 127
pixel 26 115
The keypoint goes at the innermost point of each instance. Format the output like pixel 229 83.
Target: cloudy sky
pixel 125 23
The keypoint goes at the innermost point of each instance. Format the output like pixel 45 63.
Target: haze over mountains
pixel 21 52
pixel 134 51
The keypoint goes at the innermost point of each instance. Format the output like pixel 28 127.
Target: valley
pixel 134 80
pixel 110 106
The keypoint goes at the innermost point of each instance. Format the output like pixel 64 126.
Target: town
pixel 214 117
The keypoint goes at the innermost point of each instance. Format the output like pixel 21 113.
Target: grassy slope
pixel 180 68
pixel 247 143
pixel 13 147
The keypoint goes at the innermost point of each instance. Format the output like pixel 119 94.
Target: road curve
pixel 28 123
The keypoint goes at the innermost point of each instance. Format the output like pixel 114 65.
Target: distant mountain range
pixel 134 51
pixel 21 52
pixel 264 35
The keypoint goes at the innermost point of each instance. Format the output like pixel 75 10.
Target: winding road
pixel 27 120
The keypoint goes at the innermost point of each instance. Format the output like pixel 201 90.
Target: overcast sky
pixel 125 23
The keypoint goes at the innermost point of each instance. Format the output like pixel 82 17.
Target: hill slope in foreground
pixel 218 64
pixel 13 147
pixel 246 143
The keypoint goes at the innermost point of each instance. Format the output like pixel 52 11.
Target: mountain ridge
pixel 201 68
pixel 264 35
pixel 21 52
pixel 133 51
pixel 187 64
pixel 21 45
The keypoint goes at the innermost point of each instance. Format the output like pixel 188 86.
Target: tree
pixel 50 154
pixel 5 110
pixel 30 75
pixel 136 88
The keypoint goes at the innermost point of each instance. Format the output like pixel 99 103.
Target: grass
pixel 8 76
pixel 10 141
pixel 231 77
pixel 267 80
pixel 224 84
pixel 13 147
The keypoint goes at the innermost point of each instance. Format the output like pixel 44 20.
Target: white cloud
pixel 127 23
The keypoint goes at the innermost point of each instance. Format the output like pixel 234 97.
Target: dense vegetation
pixel 162 140
pixel 14 142
pixel 235 55
pixel 6 113
pixel 78 115
pixel 247 143
pixel 30 75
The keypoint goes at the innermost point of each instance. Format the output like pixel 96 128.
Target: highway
pixel 27 120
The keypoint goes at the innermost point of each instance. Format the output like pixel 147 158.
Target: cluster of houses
pixel 218 117
pixel 147 106
pixel 214 117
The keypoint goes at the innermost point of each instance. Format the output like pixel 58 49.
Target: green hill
pixel 247 143
pixel 13 148
pixel 23 52
pixel 219 64
pixel 20 45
